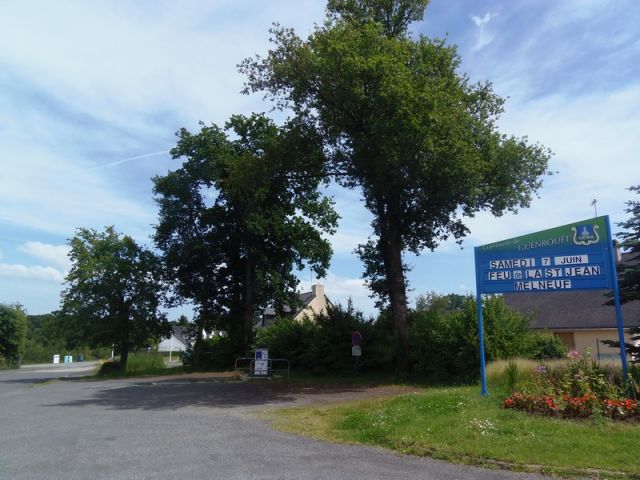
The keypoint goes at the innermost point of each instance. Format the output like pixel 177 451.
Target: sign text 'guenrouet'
pixel 571 257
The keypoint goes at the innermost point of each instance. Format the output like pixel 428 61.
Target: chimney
pixel 317 290
pixel 616 249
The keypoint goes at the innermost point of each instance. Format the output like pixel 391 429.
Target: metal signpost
pixel 356 347
pixel 577 256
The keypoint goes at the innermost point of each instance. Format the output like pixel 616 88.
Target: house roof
pixel 575 310
pixel 179 334
pixel 304 299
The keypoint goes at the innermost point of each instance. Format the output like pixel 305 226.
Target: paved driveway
pixel 181 427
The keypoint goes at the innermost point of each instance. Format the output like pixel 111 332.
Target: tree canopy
pixel 241 213
pixel 401 123
pixel 629 272
pixel 13 331
pixel 114 292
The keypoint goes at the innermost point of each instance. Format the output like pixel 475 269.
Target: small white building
pixel 176 342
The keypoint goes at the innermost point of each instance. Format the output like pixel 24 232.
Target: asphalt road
pixel 176 428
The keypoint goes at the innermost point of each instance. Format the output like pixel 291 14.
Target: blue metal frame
pixel 598 256
pixel 483 370
pixel 616 299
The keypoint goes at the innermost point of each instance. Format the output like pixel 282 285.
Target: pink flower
pixel 573 354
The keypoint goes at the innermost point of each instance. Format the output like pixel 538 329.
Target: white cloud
pixel 483 37
pixel 595 149
pixel 35 273
pixel 55 254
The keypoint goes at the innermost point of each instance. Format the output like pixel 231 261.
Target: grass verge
pixel 138 365
pixel 457 424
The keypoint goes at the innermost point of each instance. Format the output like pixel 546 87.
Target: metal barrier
pixel 271 371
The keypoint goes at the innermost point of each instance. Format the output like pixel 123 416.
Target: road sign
pixel 261 362
pixel 356 351
pixel 576 256
pixel 571 257
pixel 356 339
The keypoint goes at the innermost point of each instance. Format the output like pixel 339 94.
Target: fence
pixel 246 364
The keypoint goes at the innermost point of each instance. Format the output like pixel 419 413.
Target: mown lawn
pixel 459 425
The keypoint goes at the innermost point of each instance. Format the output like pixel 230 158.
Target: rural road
pixel 180 427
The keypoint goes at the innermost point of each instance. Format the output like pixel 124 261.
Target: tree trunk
pixel 390 244
pixel 248 303
pixel 124 335
pixel 200 323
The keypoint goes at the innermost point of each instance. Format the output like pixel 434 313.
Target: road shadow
pixel 173 394
pixel 27 381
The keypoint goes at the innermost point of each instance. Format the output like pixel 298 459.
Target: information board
pixel 576 256
pixel 571 257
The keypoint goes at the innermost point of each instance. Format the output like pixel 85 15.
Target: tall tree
pixel 629 271
pixel 400 123
pixel 13 332
pixel 113 292
pixel 240 214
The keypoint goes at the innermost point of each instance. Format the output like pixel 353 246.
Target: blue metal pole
pixel 483 372
pixel 616 299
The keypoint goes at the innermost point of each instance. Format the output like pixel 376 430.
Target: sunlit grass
pixel 459 425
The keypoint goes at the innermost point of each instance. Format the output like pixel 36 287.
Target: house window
pixel 568 338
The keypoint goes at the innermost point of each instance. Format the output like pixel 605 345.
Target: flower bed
pixel 574 407
pixel 582 390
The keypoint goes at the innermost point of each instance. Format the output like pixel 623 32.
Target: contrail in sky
pixel 125 160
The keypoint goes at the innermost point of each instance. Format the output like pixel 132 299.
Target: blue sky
pixel 91 94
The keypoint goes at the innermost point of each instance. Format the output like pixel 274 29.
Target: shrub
pixel 542 346
pixel 110 367
pixel 445 336
pixel 324 345
pixel 215 353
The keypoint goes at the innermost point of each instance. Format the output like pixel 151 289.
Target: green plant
pixel 215 353
pixel 542 346
pixel 511 375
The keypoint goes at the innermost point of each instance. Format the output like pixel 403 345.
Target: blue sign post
pixel 577 256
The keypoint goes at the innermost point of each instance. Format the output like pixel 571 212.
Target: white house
pixel 312 303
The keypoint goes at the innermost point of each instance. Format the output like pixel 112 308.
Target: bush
pixel 324 345
pixel 543 346
pixel 110 367
pixel 445 339
pixel 215 353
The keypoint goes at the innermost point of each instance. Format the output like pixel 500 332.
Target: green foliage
pixel 582 388
pixel 13 333
pixel 459 425
pixel 445 336
pixel 324 345
pixel 141 361
pixel 629 280
pixel 543 346
pixel 511 375
pixel 216 353
pixel 113 292
pixel 629 273
pixel 401 123
pixel 138 363
pixel 240 214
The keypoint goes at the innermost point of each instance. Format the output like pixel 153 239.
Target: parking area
pixel 193 426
